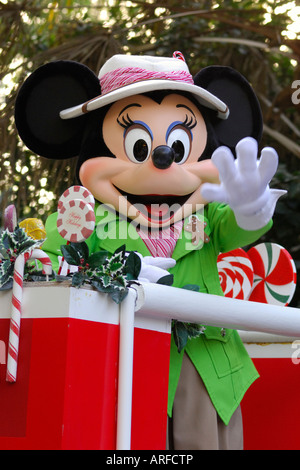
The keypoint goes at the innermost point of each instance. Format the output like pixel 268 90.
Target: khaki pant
pixel 195 424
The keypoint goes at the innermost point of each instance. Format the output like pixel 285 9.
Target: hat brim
pixel 204 97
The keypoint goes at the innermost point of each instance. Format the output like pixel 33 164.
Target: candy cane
pixel 44 259
pixel 17 295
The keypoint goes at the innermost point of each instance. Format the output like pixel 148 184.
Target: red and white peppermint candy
pixel 76 192
pixel 75 220
pixel 275 274
pixel 235 274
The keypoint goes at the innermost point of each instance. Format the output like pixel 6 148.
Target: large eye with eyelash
pixel 137 144
pixel 179 140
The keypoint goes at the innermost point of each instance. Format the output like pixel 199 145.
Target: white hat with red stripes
pixel 127 75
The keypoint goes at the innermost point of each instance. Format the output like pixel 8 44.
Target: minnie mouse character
pixel 157 150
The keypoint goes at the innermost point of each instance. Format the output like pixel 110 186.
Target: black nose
pixel 163 157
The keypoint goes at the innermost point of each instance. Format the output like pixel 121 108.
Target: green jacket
pixel 222 361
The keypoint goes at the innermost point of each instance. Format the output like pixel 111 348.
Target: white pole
pixel 155 300
pixel 127 308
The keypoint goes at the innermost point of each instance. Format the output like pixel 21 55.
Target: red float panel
pixel 65 396
pixel 271 406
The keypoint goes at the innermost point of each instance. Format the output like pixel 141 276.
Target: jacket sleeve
pixel 227 234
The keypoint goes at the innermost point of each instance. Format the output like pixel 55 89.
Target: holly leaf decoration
pixel 70 255
pixel 118 295
pixel 13 244
pixel 107 273
pixel 97 259
pixel 133 266
pixel 192 287
pixel 6 274
pixel 180 335
pixel 166 280
pixel 78 279
pixel 183 331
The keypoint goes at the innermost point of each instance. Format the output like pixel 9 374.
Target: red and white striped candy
pixel 275 274
pixel 76 192
pixel 16 308
pixel 235 274
pixel 44 259
pixel 76 220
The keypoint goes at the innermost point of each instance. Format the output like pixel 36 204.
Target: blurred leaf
pixel 133 266
pixel 183 331
pixel 192 287
pixel 97 259
pixel 70 255
pixel 166 280
pixel 78 279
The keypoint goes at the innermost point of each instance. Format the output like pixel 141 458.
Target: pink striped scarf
pixel 161 243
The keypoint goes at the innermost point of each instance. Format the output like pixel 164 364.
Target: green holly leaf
pixel 98 284
pixel 60 278
pixel 180 335
pixel 115 267
pixel 118 295
pixel 6 240
pixel 133 266
pixel 82 250
pixel 3 252
pixel 183 331
pixel 166 280
pixel 19 236
pixel 120 251
pixel 194 330
pixel 106 280
pixel 192 287
pixel 7 285
pixel 116 258
pixel 37 276
pixel 26 245
pixel 119 282
pixel 97 259
pixel 6 272
pixel 70 255
pixel 78 279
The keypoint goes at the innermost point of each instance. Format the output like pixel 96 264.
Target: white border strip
pixel 271 350
pixel 63 301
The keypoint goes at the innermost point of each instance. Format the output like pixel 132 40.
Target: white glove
pixel 245 183
pixel 154 268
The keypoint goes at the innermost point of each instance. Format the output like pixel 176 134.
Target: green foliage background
pixel 249 36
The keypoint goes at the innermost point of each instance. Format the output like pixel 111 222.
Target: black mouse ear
pixel 47 91
pixel 245 117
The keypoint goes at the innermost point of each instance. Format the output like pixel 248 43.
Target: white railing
pixel 155 300
pixel 127 311
pixel 188 306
